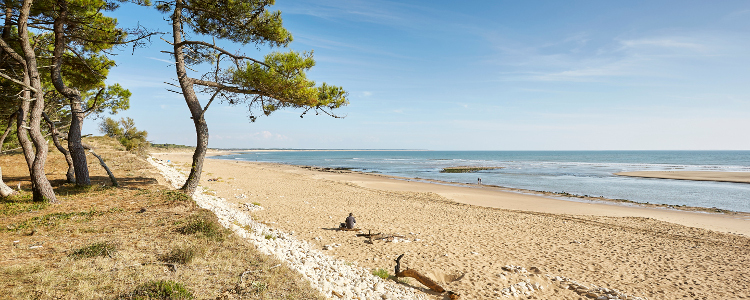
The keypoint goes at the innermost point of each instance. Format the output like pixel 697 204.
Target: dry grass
pixel 138 241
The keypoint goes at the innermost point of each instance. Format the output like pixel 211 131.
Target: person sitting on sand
pixel 350 222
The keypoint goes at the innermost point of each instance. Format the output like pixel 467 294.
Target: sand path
pixel 616 247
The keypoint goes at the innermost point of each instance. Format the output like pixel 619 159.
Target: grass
pixel 206 225
pixel 19 204
pixel 68 251
pixel 382 273
pixel 51 219
pixel 94 250
pixel 179 256
pixel 175 196
pixel 162 289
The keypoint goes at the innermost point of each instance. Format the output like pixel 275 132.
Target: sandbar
pixel 738 177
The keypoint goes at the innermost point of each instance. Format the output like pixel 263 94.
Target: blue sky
pixel 484 75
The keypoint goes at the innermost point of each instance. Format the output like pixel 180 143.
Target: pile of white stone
pixel 334 278
pixel 522 288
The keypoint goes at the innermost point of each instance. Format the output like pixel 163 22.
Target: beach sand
pixel 740 177
pixel 465 237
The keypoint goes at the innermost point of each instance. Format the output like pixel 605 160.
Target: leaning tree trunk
pixel 77 153
pixel 41 187
pixel 5 190
pixel 7 130
pixel 201 128
pixel 70 175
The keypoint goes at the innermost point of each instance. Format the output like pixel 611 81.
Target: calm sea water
pixel 576 172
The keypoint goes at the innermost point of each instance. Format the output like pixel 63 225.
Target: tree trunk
pixel 41 187
pixel 186 83
pixel 77 153
pixel 7 130
pixel 70 176
pixel 22 128
pixel 101 162
pixel 5 190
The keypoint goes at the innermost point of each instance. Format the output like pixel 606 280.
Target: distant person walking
pixel 479 181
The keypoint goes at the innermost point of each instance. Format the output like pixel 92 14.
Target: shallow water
pixel 576 172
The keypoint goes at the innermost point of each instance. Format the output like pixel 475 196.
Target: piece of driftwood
pixel 422 279
pixel 348 229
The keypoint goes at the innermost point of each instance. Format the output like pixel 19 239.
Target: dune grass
pixel 137 241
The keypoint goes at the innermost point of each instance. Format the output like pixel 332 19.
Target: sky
pixel 481 75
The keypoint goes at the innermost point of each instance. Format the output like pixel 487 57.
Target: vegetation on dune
pixel 126 133
pixel 151 242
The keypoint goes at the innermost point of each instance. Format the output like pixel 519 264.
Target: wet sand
pixel 464 236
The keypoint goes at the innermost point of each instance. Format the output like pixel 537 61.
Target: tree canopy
pixel 277 81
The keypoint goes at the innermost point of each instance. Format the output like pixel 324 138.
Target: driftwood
pixel 422 279
pixel 101 162
pixel 367 235
pixel 379 236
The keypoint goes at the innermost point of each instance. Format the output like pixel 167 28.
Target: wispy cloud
pixel 159 59
pixel 662 42
pixel 662 56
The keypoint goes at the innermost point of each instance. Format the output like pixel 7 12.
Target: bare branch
pixel 227 88
pixel 236 57
pixel 19 82
pixel 96 99
pixel 209 102
pixel 17 57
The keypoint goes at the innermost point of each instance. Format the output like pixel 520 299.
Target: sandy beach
pixel 739 177
pixel 475 241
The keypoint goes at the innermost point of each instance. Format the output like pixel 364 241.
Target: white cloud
pixel 366 94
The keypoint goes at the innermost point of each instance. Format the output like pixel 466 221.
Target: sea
pixel 588 173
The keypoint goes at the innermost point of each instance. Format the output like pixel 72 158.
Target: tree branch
pixel 19 82
pixel 17 57
pixel 96 99
pixel 236 57
pixel 227 88
pixel 95 72
pixel 209 102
